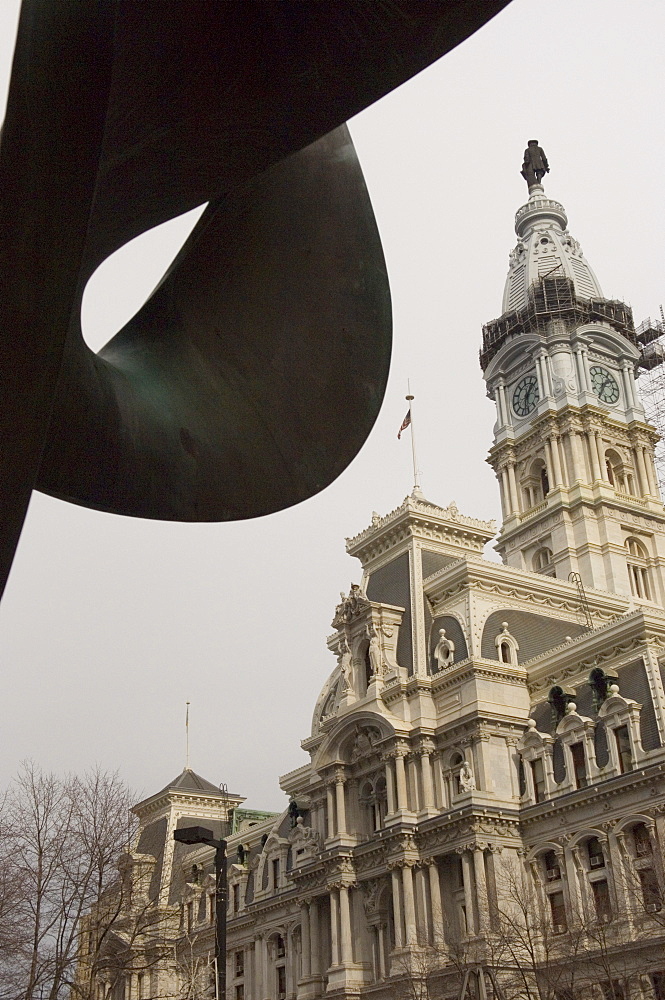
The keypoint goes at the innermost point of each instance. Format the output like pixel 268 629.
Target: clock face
pixel 604 384
pixel 526 395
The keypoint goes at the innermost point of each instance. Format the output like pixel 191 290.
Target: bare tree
pixel 60 842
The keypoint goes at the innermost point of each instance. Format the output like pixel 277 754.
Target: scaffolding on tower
pixel 651 383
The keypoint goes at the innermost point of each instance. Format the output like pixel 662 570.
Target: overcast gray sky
pixel 110 624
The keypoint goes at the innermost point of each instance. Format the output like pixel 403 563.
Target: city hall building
pixel 483 809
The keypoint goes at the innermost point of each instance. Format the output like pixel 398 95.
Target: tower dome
pixel 545 247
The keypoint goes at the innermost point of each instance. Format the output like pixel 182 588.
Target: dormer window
pixel 538 778
pixel 624 749
pixel 506 645
pixel 579 765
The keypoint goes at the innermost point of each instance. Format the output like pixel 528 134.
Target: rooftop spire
pixel 544 245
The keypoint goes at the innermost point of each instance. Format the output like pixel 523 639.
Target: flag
pixel 405 423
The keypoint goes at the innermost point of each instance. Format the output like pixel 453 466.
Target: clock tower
pixel 572 450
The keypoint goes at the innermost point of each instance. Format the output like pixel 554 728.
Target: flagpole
pixel 187 737
pixel 416 482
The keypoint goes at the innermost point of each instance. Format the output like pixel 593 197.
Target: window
pixel 601 899
pixel 638 574
pixel 235 889
pixel 642 840
pixel 239 963
pixel 275 873
pixel 544 481
pixel 624 749
pixel 281 981
pixel 538 776
pixel 658 983
pixel 281 947
pixel 579 765
pixel 140 986
pixel 613 990
pixel 240 991
pixel 552 868
pixel 595 852
pixel 558 909
pixel 542 561
pixel 505 652
pixel 190 917
pixel 650 889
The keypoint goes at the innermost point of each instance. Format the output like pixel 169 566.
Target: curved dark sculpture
pixel 254 373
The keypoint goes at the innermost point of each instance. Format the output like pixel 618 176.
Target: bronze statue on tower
pixel 535 164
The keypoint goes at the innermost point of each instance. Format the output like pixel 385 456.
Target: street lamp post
pixel 201 835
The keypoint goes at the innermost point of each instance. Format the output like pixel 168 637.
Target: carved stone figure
pixel 467 782
pixel 345 666
pixel 445 650
pixel 535 164
pixel 374 653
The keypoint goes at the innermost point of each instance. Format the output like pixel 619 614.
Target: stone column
pixel 514 498
pixel 505 492
pixel 468 893
pixel 330 809
pixel 579 469
pixel 314 939
pixel 410 929
pixel 400 780
pixel 556 462
pixel 440 800
pixel 413 801
pixel 540 375
pixel 585 368
pixel 423 929
pixel 305 941
pixel 390 786
pixel 265 976
pixel 335 956
pixel 346 942
pixel 437 907
pixel 481 888
pixel 651 472
pixel 426 778
pixel 339 802
pixel 595 460
pixel 397 909
pixel 642 470
pixel 381 941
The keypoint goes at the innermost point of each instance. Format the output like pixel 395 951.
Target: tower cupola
pixel 572 450
pixel 545 247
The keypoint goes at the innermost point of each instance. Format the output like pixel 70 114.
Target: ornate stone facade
pixel 490 736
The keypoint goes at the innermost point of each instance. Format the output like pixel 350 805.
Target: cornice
pixel 418 518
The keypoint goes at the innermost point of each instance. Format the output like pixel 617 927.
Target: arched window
pixel 542 561
pixel 638 572
pixel 535 484
pixel 643 866
pixel 619 474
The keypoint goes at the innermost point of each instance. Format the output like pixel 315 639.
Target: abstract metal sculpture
pixel 253 374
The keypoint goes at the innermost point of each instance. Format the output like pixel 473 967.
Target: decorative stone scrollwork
pixel 305 841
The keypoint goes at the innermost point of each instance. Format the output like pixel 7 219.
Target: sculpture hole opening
pixel 125 281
